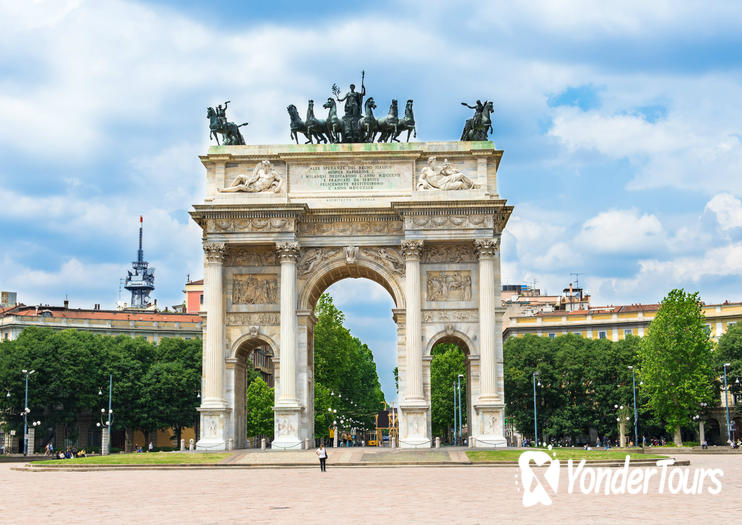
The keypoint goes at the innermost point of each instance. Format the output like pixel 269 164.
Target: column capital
pixel 412 249
pixel 214 252
pixel 486 247
pixel 287 251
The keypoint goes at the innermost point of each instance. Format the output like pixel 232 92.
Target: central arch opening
pixel 354 357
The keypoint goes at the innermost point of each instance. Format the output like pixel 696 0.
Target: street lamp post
pixel 726 401
pixel 455 432
pixel 26 411
pixel 535 411
pixel 461 432
pixel 636 420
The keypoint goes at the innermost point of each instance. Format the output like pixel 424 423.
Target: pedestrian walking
pixel 322 454
pixel 149 447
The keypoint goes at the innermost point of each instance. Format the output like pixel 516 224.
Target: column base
pixel 413 425
pixel 488 431
pixel 286 430
pixel 213 429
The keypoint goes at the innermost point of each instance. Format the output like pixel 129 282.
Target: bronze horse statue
pixel 368 123
pixel 406 123
pixel 315 127
pixel 333 124
pixel 388 125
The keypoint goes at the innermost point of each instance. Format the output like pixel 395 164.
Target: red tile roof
pixel 58 311
pixel 200 281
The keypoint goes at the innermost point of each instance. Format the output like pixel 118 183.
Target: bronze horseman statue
pixel 478 127
pixel 218 123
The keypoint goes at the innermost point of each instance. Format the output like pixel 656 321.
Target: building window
pixel 577 333
pixel 602 334
pixel 628 331
pixel 201 299
pixel 707 328
pixel 552 335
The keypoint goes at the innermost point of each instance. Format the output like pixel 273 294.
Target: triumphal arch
pixel 281 223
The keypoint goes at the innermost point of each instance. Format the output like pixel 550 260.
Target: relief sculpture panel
pixel 448 286
pixel 449 253
pixel 255 289
pixel 251 256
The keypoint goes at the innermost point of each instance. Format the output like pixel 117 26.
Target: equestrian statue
pixel 218 124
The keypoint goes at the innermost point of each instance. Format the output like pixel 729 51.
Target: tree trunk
pixel 128 439
pixel 677 438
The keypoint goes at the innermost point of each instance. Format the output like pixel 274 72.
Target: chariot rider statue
pixel 221 114
pixel 353 100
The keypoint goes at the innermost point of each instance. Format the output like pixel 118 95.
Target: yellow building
pixel 613 322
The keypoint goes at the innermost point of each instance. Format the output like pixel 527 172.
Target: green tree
pixel 729 350
pixel 259 409
pixel 322 411
pixel 448 362
pixel 581 382
pixel 65 384
pixel 676 361
pixel 171 386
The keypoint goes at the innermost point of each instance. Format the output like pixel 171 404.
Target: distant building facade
pixel 152 325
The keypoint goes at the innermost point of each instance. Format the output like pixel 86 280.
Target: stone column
pixel 487 424
pixel 288 253
pixel 213 396
pixel 213 409
pixel 414 408
pixel 488 387
pixel 412 251
pixel 287 410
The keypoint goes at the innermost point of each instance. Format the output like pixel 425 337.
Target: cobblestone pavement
pixel 343 495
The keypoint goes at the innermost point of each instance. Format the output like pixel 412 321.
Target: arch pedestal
pixel 343 210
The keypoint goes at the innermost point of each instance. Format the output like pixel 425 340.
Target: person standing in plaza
pixel 322 454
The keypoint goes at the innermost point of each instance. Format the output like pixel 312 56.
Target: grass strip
pixel 154 458
pixel 483 456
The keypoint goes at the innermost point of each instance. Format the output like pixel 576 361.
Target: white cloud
pixel 622 231
pixel 728 210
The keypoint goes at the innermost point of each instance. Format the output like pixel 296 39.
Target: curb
pixel 273 466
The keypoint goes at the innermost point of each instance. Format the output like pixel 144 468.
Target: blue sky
pixel 621 126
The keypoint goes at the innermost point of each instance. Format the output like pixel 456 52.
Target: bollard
pixel 230 444
pixel 472 440
pixel 182 445
pixel 437 442
pixel 306 443
pixel 262 444
pixel 190 444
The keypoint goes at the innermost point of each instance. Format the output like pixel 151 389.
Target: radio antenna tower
pixel 140 280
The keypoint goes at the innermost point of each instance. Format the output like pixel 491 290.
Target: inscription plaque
pixel 347 176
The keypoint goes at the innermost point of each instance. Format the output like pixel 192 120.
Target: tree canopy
pixel 676 361
pixel 154 386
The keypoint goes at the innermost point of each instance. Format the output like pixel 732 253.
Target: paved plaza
pixel 342 495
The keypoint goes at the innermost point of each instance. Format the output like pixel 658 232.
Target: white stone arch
pixel 339 269
pixel 236 381
pixel 253 336
pixel 450 336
